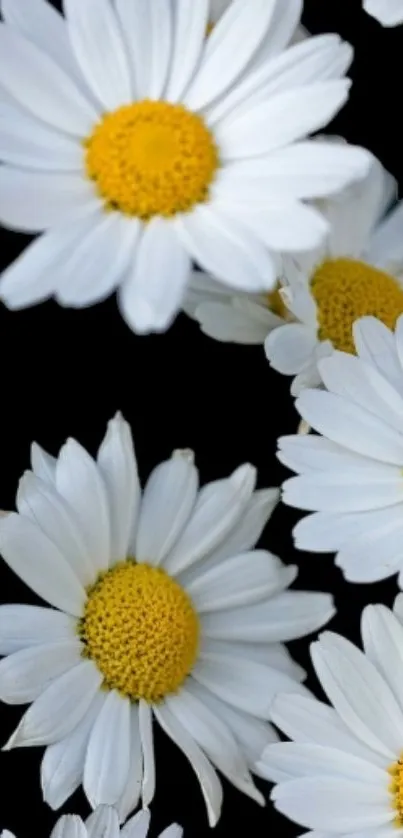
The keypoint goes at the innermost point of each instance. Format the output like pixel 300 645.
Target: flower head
pixel 343 773
pixel 358 272
pixel 350 477
pixel 161 611
pixel 136 144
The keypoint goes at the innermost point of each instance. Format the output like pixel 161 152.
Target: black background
pixel 65 373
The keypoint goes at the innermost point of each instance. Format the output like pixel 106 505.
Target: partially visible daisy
pixel 137 146
pixel 343 774
pixel 358 272
pixel 164 612
pixel 240 318
pixel 104 823
pixel 388 12
pixel 351 476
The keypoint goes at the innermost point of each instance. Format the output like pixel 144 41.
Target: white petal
pixel 287 616
pixel 69 826
pixel 190 26
pixel 349 425
pixel 382 636
pixel 33 276
pixel 223 246
pixel 63 763
pixel 148 35
pixel 212 735
pixel 40 502
pixel 25 626
pixel 309 721
pixel 311 453
pixel 39 22
pixel 26 674
pixel 209 782
pixel 245 532
pixel 32 201
pixel 38 562
pixel 326 532
pixel 290 348
pixel 118 466
pixel 173 831
pixel 244 684
pixel 152 294
pixel 232 44
pixel 358 693
pixel 43 464
pixel 240 580
pixel 388 12
pixel 354 214
pixel 284 225
pixel 287 760
pixel 107 759
pixel 26 142
pixel 315 802
pixel 283 24
pixel 252 734
pixel 137 827
pixel 318 58
pixel 57 712
pixel 305 170
pixel 131 794
pixel 218 508
pixel 168 501
pixel 375 343
pixel 41 86
pixel 357 489
pixel 79 481
pixel 282 119
pixel 100 260
pixel 225 322
pixel 147 746
pixel 100 51
pixel 385 247
pixel 103 823
pixel 376 551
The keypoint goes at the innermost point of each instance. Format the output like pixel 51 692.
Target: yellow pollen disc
pixel 275 303
pixel 344 290
pixel 141 630
pixel 151 158
pixel 396 790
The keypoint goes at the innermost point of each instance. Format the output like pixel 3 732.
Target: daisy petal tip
pixel 186 454
pixel 244 477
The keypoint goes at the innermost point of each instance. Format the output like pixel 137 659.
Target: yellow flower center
pixel 275 303
pixel 141 630
pixel 151 158
pixel 396 790
pixel 345 289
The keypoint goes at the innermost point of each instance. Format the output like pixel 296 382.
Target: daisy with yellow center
pixel 343 773
pixel 358 273
pixel 139 144
pixel 161 611
pixel 104 823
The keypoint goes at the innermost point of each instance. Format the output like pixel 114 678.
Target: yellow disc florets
pixel 141 630
pixel 345 290
pixel 396 790
pixel 152 158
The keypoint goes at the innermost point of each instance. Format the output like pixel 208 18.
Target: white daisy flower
pixel 358 272
pixel 343 774
pixel 163 611
pixel 238 318
pixel 388 12
pixel 104 823
pixel 351 476
pixel 136 145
